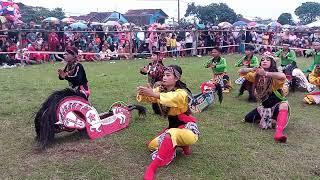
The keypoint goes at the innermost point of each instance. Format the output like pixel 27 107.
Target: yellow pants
pixel 180 137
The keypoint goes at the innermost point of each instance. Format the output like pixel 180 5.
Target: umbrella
pixel 3 19
pixel 156 25
pixel 164 26
pixel 68 20
pixel 18 22
pixel 129 24
pixel 252 24
pixel 78 25
pixel 239 24
pixel 314 24
pixel 261 26
pixel 112 23
pixel 302 27
pixel 51 19
pixel 225 25
pixel 201 26
pixel 274 24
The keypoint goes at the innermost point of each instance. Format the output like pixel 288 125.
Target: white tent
pixel 314 24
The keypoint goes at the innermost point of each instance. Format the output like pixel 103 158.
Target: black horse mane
pixel 46 117
pixel 219 92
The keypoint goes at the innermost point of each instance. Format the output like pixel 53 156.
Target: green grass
pixel 227 148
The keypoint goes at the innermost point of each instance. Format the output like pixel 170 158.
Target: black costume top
pixel 76 75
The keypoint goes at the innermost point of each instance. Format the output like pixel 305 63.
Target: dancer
pixel 154 70
pixel 316 56
pixel 218 65
pixel 74 72
pixel 248 61
pixel 267 86
pixel 295 77
pixel 314 78
pixel 182 130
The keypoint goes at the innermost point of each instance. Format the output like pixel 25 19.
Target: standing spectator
pixel 173 45
pixel 189 41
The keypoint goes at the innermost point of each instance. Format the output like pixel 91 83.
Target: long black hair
pixel 179 83
pixel 46 117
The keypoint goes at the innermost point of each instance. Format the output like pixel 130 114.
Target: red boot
pixel 282 120
pixel 163 158
pixel 186 150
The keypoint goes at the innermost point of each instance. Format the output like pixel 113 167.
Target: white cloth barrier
pixel 185 49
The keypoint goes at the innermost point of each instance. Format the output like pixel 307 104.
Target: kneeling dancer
pixel 268 83
pixel 182 130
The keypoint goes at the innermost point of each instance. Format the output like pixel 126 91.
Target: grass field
pixel 227 148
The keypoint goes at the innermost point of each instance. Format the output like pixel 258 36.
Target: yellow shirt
pixel 176 100
pixel 276 83
pixel 173 42
pixel 168 41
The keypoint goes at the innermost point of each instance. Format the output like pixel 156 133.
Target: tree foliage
pixel 285 18
pixel 212 13
pixel 308 12
pixel 37 14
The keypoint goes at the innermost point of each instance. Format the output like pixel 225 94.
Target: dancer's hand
pixel 144 70
pixel 61 73
pixel 261 72
pixel 212 65
pixel 145 91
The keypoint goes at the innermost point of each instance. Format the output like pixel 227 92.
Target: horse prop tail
pixel 141 109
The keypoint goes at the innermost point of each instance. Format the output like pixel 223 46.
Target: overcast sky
pixel 248 8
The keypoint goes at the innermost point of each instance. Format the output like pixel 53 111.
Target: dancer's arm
pixel 278 53
pixel 146 94
pixel 178 98
pixel 255 62
pixel 273 75
pixel 222 65
pixel 208 64
pixel 292 56
pixel 239 62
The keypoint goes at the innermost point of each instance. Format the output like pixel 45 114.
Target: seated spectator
pixel 104 53
pixel 113 53
pixel 122 53
pixel 90 57
pixel 143 51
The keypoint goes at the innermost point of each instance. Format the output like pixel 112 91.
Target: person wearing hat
pixel 182 130
pixel 74 72
pixel 248 61
pixel 218 65
pixel 314 78
pixel 267 85
pixel 316 56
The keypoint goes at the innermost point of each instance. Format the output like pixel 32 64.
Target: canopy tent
pixel 314 24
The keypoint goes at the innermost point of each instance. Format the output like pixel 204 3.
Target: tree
pixel 58 13
pixel 285 18
pixel 308 12
pixel 37 14
pixel 212 13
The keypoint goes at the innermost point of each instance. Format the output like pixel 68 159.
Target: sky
pixel 248 8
